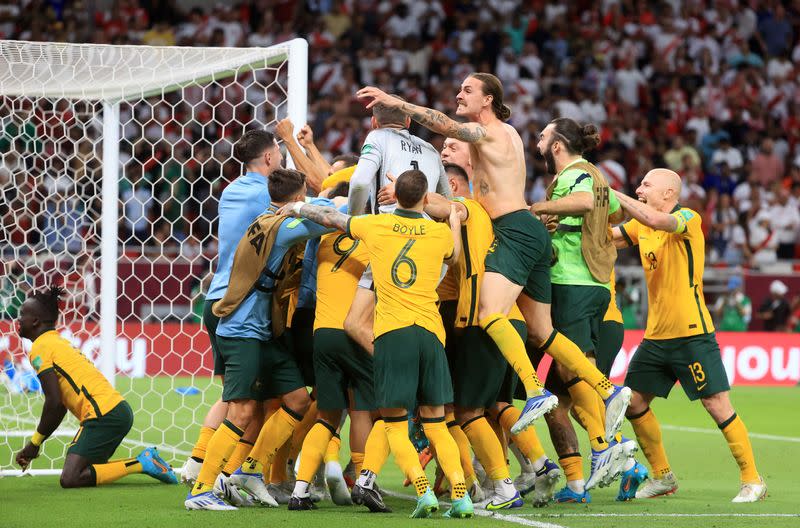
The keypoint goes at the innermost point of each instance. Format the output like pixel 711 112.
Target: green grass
pixel 707 474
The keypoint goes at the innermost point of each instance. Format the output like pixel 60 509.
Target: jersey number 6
pixel 403 258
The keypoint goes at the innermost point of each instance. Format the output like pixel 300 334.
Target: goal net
pixel 112 159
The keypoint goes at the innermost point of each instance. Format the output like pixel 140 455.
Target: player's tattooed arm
pixel 440 123
pixel 647 215
pixel 325 216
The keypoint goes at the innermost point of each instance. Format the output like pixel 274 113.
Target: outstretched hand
pixel 26 454
pixel 386 194
pixel 378 97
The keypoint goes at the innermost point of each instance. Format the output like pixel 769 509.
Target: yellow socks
pixel 376 450
pixel 302 429
pixel 512 347
pixel 358 459
pixel 199 449
pixel 570 356
pixel 115 470
pixel 739 443
pixel 275 432
pixel 277 469
pixel 314 448
pixel 572 464
pixel 487 447
pixel 446 453
pixel 585 409
pixel 240 453
pixel 464 452
pixel 220 447
pixel 404 453
pixel 527 441
pixel 648 434
pixel 332 451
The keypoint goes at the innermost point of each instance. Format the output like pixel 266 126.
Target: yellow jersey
pixel 673 270
pixel 448 288
pixel 613 313
pixel 340 263
pixel 477 236
pixel 406 252
pixel 85 392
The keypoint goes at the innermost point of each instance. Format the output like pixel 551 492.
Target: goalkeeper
pixel 72 383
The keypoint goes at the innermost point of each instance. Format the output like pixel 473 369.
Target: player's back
pixel 394 151
pixel 406 252
pixel 340 263
pixel 85 392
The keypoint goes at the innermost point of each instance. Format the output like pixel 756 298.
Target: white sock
pixel 333 471
pixel 300 489
pixel 578 486
pixel 505 488
pixel 538 463
pixel 366 479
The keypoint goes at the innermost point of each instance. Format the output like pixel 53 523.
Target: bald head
pixel 661 189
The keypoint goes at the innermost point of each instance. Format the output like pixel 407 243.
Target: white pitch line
pixel 555 515
pixel 25 434
pixel 702 430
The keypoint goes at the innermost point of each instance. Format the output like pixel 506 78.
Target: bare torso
pixel 498 163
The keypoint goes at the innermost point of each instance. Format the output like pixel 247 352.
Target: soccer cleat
pixel 751 492
pixel 496 502
pixel 461 508
pixel 232 494
pixel 427 504
pixel 535 407
pixel 629 447
pixel 370 498
pixel 525 482
pixel 566 495
pixel 606 466
pixel 334 478
pixel 630 481
pixel 616 405
pixel 156 467
pixel 253 484
pixel 658 487
pixel 546 480
pixel 206 501
pixel 190 471
pixel 281 492
pixel 301 503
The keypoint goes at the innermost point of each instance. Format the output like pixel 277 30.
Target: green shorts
pixel 481 375
pixel 340 364
pixel 577 312
pixel 522 253
pixel 448 309
pixel 211 321
pixel 257 370
pixel 609 344
pixel 300 340
pixel 98 438
pixel 694 361
pixel 411 369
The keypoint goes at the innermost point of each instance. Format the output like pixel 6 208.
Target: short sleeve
pixel 357 226
pixel 630 231
pixel 41 359
pixel 689 223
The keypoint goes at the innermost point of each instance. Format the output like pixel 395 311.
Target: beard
pixel 549 161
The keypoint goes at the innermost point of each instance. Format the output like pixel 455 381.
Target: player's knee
pixel 241 413
pixel 464 415
pixel 298 401
pixel 70 479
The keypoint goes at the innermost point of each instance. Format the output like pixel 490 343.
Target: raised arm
pixel 314 172
pixel 322 215
pixel 647 215
pixel 427 117
pixel 306 139
pixel 53 412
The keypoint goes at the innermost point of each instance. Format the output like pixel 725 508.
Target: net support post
pixel 108 245
pixel 297 86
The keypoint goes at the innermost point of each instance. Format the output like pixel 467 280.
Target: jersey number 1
pixel 415 164
pixel 403 258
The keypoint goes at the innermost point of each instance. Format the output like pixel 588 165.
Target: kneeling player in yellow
pixel 406 252
pixel 72 383
pixel 679 342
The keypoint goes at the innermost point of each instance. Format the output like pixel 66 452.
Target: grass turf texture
pixel 708 476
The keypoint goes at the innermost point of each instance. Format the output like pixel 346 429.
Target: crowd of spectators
pixel 707 88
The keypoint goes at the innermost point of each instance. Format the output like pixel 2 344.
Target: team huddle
pixel 416 294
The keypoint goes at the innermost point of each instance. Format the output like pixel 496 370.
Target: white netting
pixel 180 110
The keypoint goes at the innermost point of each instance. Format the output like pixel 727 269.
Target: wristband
pixel 297 206
pixel 37 438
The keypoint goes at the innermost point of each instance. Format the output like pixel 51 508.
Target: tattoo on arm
pixel 327 216
pixel 438 122
pixel 483 188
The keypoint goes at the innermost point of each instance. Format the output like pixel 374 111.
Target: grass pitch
pixel 707 474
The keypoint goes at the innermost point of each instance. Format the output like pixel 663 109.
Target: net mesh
pixel 180 109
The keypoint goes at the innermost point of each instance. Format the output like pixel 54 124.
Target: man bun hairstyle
pixel 48 302
pixel 410 187
pixel 252 144
pixel 578 139
pixel 492 86
pixel 284 184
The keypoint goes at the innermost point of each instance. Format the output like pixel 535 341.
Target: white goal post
pixel 111 162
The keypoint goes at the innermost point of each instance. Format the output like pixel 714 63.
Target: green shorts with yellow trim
pixel 411 369
pixel 340 364
pixel 98 438
pixel 694 361
pixel 609 344
pixel 210 321
pixel 523 253
pixel 481 375
pixel 577 312
pixel 258 370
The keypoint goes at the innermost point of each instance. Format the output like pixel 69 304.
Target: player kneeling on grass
pixel 72 383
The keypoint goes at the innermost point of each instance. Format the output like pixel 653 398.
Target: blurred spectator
pixel 728 239
pixel 137 200
pixel 766 165
pixel 762 240
pixel 774 311
pixel 785 218
pixel 733 309
pixel 675 157
pixel 729 155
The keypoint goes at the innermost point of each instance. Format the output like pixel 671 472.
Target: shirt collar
pixel 676 208
pixel 405 213
pixel 570 164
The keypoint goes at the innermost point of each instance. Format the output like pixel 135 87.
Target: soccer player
pixel 71 382
pixel 582 208
pixel 241 202
pixel 517 266
pixel 406 251
pixel 257 365
pixel 679 342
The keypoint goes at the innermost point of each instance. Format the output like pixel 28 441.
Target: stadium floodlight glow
pixel 114 157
